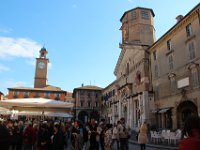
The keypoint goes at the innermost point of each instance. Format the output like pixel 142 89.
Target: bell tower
pixel 138 27
pixel 41 71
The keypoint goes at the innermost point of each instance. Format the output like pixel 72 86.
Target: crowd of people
pixel 63 135
pixel 100 136
pixel 59 135
pixel 33 134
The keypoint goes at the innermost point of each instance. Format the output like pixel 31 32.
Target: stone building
pixel 175 59
pixel 41 87
pixel 156 81
pixel 133 92
pixel 87 103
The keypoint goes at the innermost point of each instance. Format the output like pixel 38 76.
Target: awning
pixel 164 110
pixel 30 113
pixel 40 113
pixel 154 111
pixel 4 111
pixel 58 114
pixel 35 102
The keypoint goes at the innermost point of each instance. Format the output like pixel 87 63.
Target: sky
pixel 81 36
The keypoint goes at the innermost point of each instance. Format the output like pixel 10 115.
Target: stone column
pixel 128 112
pixel 113 114
pixel 131 113
pixel 174 118
pixel 120 109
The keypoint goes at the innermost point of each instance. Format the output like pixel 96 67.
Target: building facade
pixel 41 87
pixel 156 81
pixel 175 59
pixel 87 103
pixel 133 91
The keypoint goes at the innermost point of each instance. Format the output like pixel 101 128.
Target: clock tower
pixel 41 70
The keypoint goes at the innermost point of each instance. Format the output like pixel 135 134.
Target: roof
pixel 175 25
pixel 47 88
pixel 135 9
pixel 89 87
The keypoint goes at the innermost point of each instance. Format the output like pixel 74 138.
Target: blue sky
pixel 82 38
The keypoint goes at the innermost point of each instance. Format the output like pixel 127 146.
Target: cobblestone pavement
pixel 134 147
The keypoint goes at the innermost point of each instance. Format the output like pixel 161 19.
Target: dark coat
pixel 58 141
pixel 43 138
pixel 4 137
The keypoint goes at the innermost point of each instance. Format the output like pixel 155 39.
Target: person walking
pixel 191 134
pixel 142 137
pixel 93 133
pixel 43 137
pixel 76 137
pixel 108 137
pixel 124 134
pixel 115 136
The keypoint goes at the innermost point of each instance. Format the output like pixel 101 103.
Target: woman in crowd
pixel 76 136
pixel 58 138
pixel 108 137
pixel 142 137
pixel 191 134
pixel 115 136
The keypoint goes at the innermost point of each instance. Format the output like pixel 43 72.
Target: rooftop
pixel 47 88
pixel 89 87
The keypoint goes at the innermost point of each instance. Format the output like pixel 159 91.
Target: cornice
pixel 190 16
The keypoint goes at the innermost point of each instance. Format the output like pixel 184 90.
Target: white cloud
pixel 18 47
pixel 131 1
pixel 3 68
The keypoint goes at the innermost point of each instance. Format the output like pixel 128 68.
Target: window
pixel 96 95
pixel 157 92
pixel 26 94
pixel 127 68
pixel 82 92
pixel 57 95
pixel 113 92
pixel 169 45
pixel 171 62
pixel 189 30
pixel 81 103
pixel 144 14
pixel 46 94
pixel 133 15
pixel 89 95
pixel 195 80
pixel 156 71
pixel 154 55
pixel 96 103
pixel 37 94
pixel 89 103
pixel 191 50
pixel 173 85
pixel 15 94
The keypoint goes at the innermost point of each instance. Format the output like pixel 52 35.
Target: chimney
pixel 179 18
pixel 82 85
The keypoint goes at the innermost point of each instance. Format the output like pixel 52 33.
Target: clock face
pixel 41 65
